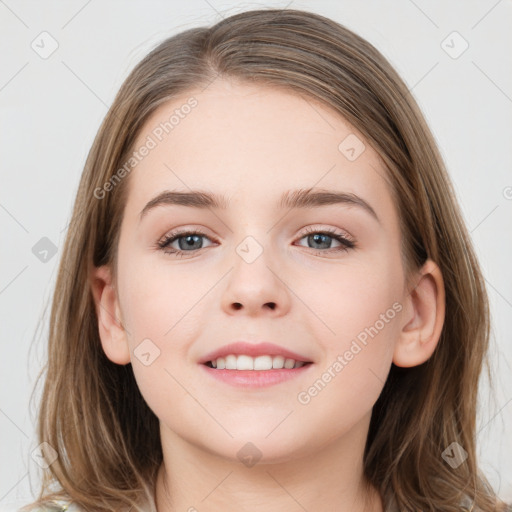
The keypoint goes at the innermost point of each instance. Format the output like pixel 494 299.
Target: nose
pixel 256 285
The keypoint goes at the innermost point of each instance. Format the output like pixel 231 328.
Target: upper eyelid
pixel 202 231
pixel 330 231
pixel 177 233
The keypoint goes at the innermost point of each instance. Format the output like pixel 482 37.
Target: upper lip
pixel 253 350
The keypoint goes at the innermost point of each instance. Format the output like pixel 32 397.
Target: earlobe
pixel 112 333
pixel 423 318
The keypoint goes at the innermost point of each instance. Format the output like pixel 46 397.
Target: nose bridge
pixel 252 261
pixel 252 247
pixel 252 283
pixel 252 235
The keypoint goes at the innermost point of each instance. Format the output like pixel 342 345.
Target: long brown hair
pixel 92 412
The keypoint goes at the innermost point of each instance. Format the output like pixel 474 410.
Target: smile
pixel 244 362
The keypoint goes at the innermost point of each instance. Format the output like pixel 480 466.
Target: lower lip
pixel 255 378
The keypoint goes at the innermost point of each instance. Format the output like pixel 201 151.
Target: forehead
pixel 251 141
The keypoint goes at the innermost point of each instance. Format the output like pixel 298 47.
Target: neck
pixel 192 479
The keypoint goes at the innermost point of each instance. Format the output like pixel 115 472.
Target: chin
pixel 253 446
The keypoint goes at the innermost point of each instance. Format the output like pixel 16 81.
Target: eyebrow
pixel 291 199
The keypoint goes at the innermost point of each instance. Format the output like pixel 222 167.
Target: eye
pixel 187 241
pixel 322 239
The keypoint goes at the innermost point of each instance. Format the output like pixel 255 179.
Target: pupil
pixel 190 239
pixel 317 238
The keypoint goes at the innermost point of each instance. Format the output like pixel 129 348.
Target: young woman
pixel 267 299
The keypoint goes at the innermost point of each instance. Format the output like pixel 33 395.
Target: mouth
pixel 252 373
pixel 253 366
pixel 260 363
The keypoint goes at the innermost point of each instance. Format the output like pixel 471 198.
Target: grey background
pixel 52 107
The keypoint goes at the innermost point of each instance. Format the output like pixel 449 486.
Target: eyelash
pixel 163 244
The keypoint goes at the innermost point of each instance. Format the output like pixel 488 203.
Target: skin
pixel 251 143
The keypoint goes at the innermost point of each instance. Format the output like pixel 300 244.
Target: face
pixel 324 281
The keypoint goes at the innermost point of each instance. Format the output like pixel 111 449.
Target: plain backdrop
pixel 52 106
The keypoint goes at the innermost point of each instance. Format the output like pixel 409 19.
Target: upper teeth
pixel 242 362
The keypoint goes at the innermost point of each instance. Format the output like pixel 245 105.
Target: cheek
pixel 358 354
pixel 349 299
pixel 158 311
pixel 359 325
pixel 155 300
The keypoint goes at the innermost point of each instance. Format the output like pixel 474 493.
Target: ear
pixel 112 333
pixel 424 316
